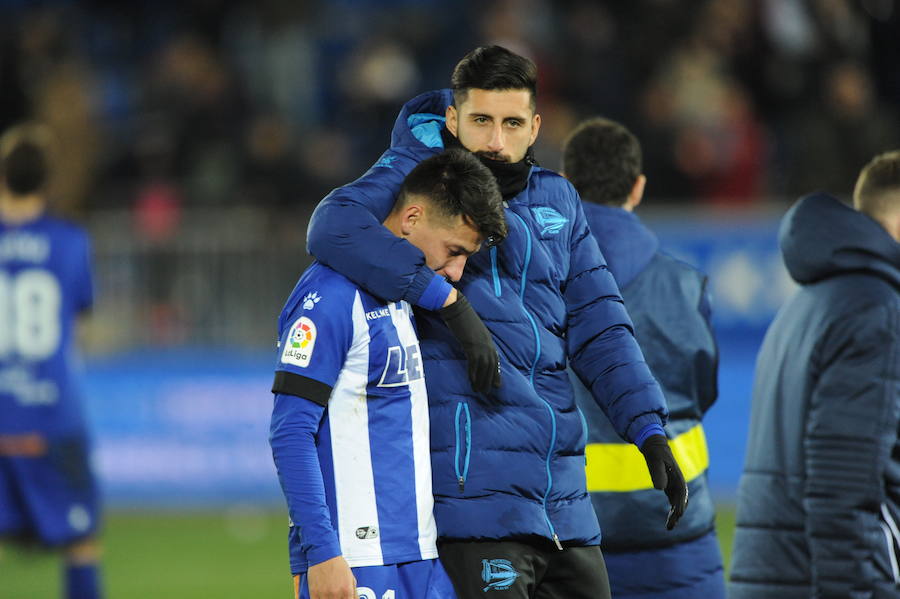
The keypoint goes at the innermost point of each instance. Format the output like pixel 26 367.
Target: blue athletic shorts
pixel 424 579
pixel 51 496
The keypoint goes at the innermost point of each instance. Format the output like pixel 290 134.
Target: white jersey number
pixel 29 314
pixel 367 593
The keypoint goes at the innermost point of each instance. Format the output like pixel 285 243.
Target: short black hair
pixel 877 190
pixel 493 68
pixel 602 159
pixel 458 184
pixel 23 162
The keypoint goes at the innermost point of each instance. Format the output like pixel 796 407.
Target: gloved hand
pixel 476 341
pixel 666 475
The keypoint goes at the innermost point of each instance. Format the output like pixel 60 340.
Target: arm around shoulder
pixel 346 233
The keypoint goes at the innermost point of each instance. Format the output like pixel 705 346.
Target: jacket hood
pixel 822 237
pixel 626 243
pixel 421 119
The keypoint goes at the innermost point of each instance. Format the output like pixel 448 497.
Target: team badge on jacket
pixel 300 343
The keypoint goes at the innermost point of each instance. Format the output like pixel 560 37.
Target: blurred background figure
pixel 668 301
pixel 196 137
pixel 48 492
pixel 817 509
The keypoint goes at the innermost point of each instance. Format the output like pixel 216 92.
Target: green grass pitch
pixel 239 554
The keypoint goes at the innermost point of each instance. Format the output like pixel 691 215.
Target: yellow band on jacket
pixel 620 467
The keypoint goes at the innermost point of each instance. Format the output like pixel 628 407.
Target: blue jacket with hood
pixel 819 499
pixel 509 464
pixel 668 302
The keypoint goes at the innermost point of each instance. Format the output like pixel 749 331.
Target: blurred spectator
pixel 699 120
pixel 831 140
pixel 13 104
pixel 712 85
pixel 274 49
pixel 272 176
pixel 58 85
pixel 199 97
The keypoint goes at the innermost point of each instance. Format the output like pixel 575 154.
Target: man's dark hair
pixel 493 68
pixel 602 159
pixel 877 190
pixel 457 184
pixel 23 162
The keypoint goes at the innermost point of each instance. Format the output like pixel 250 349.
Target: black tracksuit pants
pixel 524 570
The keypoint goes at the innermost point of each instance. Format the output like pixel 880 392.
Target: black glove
pixel 666 475
pixel 476 341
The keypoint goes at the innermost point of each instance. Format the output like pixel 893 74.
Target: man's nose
pixel 454 268
pixel 495 144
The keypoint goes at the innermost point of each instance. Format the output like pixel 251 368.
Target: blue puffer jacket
pixel 819 501
pixel 511 464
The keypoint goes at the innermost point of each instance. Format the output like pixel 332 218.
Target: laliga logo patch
pixel 300 343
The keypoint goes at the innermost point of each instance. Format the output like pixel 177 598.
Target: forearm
pixel 293 445
pixel 612 366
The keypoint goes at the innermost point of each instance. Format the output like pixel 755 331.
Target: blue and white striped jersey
pixel 45 283
pixel 359 356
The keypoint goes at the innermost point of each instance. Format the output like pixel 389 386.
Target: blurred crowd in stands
pixel 163 105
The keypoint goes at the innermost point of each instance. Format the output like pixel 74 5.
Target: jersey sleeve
pixel 83 285
pixel 313 344
pixel 292 436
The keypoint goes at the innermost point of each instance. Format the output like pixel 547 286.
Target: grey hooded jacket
pixel 819 499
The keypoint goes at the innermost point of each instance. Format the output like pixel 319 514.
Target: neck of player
pixel 15 210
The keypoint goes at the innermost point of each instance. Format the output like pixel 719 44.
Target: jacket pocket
pixel 463 441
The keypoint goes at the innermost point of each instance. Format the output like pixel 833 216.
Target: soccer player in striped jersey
pixel 47 490
pixel 350 425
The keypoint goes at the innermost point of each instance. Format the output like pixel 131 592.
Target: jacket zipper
pixel 494 272
pixel 461 475
pixel 537 355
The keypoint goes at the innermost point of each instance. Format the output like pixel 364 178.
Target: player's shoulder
pixel 62 228
pixel 550 187
pixel 550 178
pixel 667 261
pixel 322 288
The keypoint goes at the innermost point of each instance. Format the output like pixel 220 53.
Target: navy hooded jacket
pixel 668 302
pixel 509 464
pixel 819 499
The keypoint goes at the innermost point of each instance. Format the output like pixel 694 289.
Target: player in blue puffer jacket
pixel 508 464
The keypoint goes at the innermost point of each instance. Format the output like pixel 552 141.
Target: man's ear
pixel 410 217
pixel 535 127
pixel 452 120
pixel 636 194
